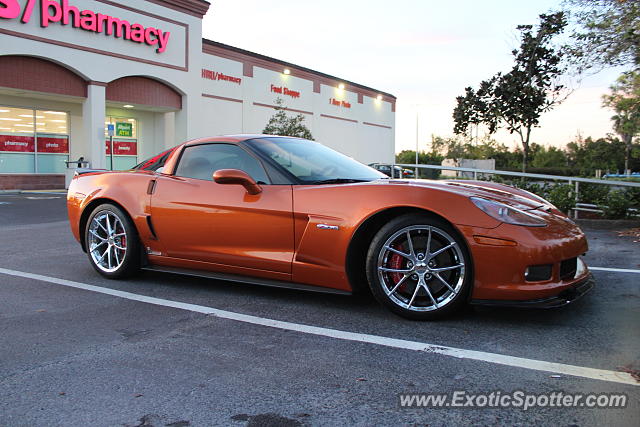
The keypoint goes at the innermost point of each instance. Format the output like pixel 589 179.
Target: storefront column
pixel 168 130
pixel 188 121
pixel 93 116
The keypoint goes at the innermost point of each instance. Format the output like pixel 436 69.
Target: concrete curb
pixel 608 224
pixel 60 191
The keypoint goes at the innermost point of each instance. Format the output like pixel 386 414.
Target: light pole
pixel 417 135
pixel 417 128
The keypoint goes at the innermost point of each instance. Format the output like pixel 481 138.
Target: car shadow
pixel 307 305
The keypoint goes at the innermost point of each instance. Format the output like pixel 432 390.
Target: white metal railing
pixel 590 207
pixel 475 173
pixel 569 179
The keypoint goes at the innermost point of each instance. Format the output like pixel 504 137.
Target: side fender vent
pixel 152 186
pixel 151 229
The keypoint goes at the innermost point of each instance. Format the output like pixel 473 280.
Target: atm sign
pixel 124 129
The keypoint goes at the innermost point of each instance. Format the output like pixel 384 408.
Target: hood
pixel 84 171
pixel 511 196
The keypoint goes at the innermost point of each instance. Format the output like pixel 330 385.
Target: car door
pixel 198 219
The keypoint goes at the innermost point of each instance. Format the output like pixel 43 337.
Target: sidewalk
pixel 59 191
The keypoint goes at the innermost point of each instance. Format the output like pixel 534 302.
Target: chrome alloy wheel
pixel 421 268
pixel 107 241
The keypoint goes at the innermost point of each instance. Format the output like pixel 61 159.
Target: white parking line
pixel 614 270
pixel 500 359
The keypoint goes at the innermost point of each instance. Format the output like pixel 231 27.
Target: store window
pixel 125 143
pixel 33 141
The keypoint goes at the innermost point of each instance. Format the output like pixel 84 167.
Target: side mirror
pixel 236 176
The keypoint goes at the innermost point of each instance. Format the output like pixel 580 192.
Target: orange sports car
pixel 289 212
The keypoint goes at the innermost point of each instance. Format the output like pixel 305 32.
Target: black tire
pixel 406 295
pixel 120 263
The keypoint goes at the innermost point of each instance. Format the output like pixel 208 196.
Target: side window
pixel 155 163
pixel 201 161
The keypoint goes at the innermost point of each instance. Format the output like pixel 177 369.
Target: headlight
pixel 507 214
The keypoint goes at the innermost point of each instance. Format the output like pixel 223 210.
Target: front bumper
pixel 565 297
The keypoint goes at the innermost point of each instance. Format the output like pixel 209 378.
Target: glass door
pixel 52 141
pixel 125 143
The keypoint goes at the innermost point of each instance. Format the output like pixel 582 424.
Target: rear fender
pixel 125 189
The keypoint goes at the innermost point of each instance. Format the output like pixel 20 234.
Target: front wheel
pixel 112 242
pixel 419 267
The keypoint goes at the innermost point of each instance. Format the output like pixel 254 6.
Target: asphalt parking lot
pixel 79 356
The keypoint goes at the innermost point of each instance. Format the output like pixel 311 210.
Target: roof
pixel 291 65
pixel 197 8
pixel 234 138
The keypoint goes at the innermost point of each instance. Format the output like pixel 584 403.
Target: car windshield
pixel 314 163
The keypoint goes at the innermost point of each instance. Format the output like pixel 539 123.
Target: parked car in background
pixel 398 172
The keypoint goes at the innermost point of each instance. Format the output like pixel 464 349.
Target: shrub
pixel 533 187
pixel 494 178
pixel 593 193
pixel 633 194
pixel 562 171
pixel 428 173
pixel 616 205
pixel 562 196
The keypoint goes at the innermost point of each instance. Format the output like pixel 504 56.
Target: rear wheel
pixel 112 242
pixel 419 267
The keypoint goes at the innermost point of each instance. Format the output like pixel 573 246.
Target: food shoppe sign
pixel 64 13
pixel 285 91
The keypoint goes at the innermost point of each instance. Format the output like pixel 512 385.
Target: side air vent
pixel 151 229
pixel 151 187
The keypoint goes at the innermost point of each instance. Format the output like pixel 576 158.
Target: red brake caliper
pixel 123 240
pixel 395 262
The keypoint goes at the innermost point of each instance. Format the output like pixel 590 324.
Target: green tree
pixel 516 100
pixel 282 124
pixel 449 148
pixel 624 99
pixel 409 157
pixel 589 154
pixel 607 33
pixel 486 148
pixel 547 157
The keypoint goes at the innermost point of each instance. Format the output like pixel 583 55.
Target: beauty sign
pixel 122 148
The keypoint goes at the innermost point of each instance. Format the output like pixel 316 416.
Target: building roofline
pixel 197 8
pixel 293 67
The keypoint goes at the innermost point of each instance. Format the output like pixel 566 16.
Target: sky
pixel 423 52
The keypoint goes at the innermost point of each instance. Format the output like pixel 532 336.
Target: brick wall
pixel 31 182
